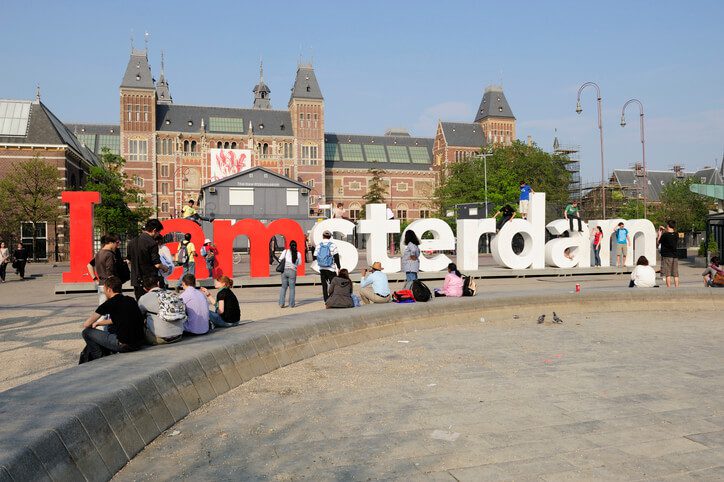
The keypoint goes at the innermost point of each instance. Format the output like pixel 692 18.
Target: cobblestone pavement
pixel 40 331
pixel 598 397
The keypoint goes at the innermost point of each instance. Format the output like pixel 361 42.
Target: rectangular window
pixel 352 152
pixel 375 153
pixel 354 214
pixel 129 109
pixel 164 188
pixel 292 197
pixel 288 172
pixel 138 112
pixel 241 196
pixel 331 152
pixel 164 207
pixel 310 183
pixel 419 155
pixel 164 170
pixel 402 186
pixel 398 154
pixel 424 213
pixel 402 214
pixel 145 112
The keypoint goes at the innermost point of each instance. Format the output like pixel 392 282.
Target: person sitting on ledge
pixel 374 287
pixel 123 318
pixel 453 284
pixel 227 312
pixel 197 310
pixel 713 274
pixel 160 331
pixel 340 291
pixel 643 275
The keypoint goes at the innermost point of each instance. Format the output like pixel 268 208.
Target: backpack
pixel 403 296
pixel 420 291
pixel 182 257
pixel 324 258
pixel 121 267
pixel 171 307
pixel 469 288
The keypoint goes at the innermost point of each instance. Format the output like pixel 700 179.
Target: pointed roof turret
pixel 494 104
pixel 138 72
pixel 163 93
pixel 556 144
pixel 261 91
pixel 305 84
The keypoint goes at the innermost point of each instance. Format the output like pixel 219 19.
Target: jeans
pixel 327 276
pixel 218 321
pixel 570 222
pixel 289 279
pixel 3 269
pixel 210 267
pixel 597 255
pixel 410 276
pixel 188 268
pixel 97 340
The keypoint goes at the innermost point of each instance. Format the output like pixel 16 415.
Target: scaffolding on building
pixel 573 165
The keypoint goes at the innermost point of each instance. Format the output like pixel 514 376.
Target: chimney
pixel 529 142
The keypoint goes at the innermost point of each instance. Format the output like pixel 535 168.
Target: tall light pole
pixel 643 143
pixel 600 130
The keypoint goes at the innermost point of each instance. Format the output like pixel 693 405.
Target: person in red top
pixel 209 252
pixel 597 238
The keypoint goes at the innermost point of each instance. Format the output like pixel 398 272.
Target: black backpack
pixel 420 291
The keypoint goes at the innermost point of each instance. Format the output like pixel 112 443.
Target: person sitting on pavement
pixel 374 288
pixel 197 309
pixel 711 272
pixel 123 318
pixel 227 312
pixel 643 275
pixel 159 331
pixel 340 291
pixel 453 285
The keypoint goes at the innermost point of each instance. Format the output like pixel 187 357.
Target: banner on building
pixel 226 162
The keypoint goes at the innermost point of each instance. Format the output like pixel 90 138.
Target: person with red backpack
pixel 209 253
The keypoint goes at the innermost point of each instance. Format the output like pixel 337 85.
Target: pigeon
pixel 541 319
pixel 556 319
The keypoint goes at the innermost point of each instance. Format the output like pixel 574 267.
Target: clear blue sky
pixel 384 64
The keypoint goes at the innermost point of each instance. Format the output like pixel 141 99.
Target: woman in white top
pixel 643 275
pixel 411 258
pixel 4 260
pixel 292 259
pixel 166 260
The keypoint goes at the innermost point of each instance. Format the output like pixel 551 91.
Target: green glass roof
pixel 375 153
pixel 419 154
pixel 352 152
pixel 331 152
pixel 398 154
pixel 226 124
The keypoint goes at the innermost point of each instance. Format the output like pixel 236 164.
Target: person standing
pixel 622 241
pixel 209 252
pixel 123 318
pixel 291 259
pixel 374 288
pixel 4 260
pixel 597 238
pixel 104 264
pixel 411 258
pixel 523 201
pixel 20 259
pixel 668 240
pixel 327 256
pixel 186 257
pixel 144 257
pixel 572 212
pixel 508 213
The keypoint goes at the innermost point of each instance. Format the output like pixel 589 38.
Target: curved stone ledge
pixel 87 422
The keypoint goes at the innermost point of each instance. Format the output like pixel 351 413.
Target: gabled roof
pixel 138 72
pixel 657 181
pixel 305 84
pixel 176 117
pixel 45 128
pixel 494 104
pixel 462 134
pixel 708 175
pixel 255 169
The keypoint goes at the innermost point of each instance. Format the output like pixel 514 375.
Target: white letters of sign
pixel 533 232
pixel 444 240
pixel 378 227
pixel 348 256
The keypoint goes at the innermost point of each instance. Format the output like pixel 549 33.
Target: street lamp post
pixel 643 143
pixel 600 130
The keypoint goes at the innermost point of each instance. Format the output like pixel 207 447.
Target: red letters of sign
pixel 81 240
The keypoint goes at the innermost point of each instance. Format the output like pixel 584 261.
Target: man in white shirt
pixel 327 256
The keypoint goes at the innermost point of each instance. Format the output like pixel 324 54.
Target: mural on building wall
pixel 225 162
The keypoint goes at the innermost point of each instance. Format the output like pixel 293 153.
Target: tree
pixel 678 203
pixel 506 166
pixel 114 214
pixel 32 191
pixel 376 190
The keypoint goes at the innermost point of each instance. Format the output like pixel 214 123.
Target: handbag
pixel 282 262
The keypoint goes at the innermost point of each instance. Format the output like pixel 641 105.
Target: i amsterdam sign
pixel 536 253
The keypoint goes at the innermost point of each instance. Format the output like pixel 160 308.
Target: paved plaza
pixel 622 397
pixel 40 331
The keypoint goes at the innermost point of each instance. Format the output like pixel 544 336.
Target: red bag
pixel 403 296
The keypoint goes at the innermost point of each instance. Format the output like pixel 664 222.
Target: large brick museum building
pixel 170 148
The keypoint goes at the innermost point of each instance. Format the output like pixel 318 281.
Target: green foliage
pixel 506 166
pixel 631 209
pixel 114 214
pixel 713 247
pixel 29 193
pixel 376 190
pixel 688 209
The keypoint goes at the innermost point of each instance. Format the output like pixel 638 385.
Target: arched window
pixel 193 146
pixel 186 146
pixel 265 149
pixel 219 145
pixel 226 145
pixel 233 145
